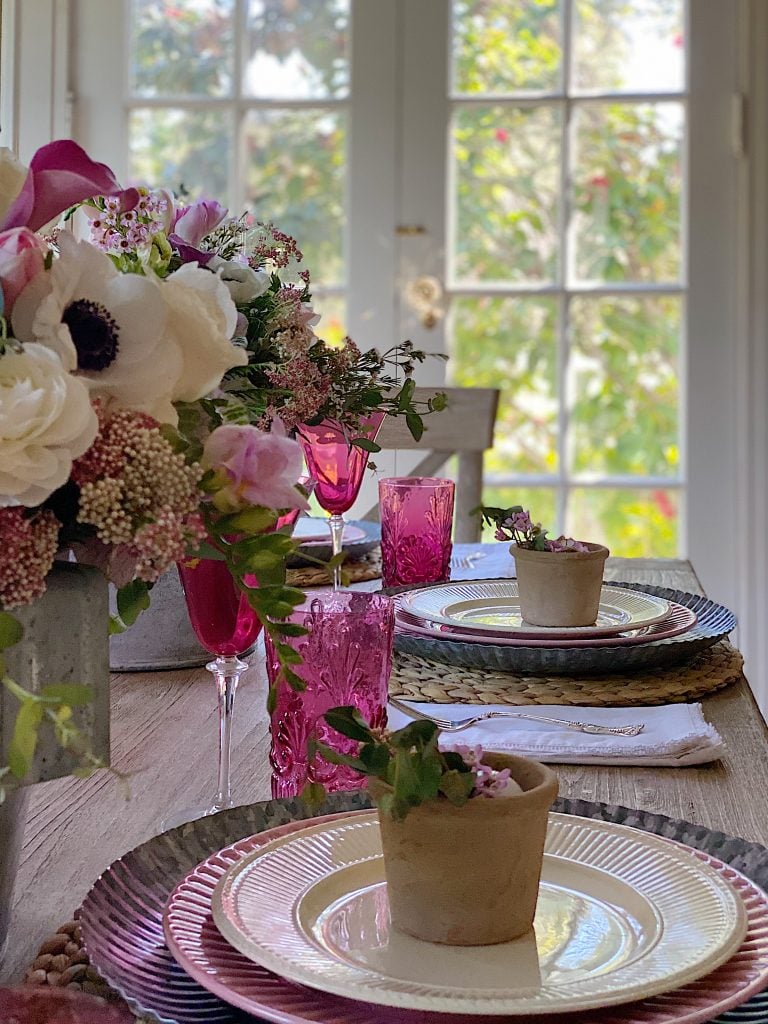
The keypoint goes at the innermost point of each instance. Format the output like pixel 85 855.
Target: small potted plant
pixel 462 830
pixel 559 580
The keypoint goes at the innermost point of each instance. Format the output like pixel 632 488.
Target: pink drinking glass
pixel 416 523
pixel 227 626
pixel 337 467
pixel 346 659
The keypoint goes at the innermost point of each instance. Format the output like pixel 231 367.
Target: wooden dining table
pixel 164 735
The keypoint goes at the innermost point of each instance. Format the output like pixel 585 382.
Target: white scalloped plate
pixel 493 606
pixel 622 916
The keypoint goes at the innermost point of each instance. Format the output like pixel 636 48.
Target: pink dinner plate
pixel 680 620
pixel 204 954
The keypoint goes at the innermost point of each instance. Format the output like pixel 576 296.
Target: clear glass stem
pixel 226 671
pixel 336 523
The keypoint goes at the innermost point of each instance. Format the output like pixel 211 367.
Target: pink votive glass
pixel 416 522
pixel 346 659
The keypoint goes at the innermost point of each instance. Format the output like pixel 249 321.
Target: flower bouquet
pixel 462 830
pixel 559 580
pixel 111 453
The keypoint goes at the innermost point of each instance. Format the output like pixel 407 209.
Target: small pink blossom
pixel 60 175
pixel 22 256
pixel 255 468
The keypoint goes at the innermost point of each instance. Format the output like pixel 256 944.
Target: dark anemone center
pixel 94 333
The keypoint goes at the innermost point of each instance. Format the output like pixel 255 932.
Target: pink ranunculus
pixel 60 175
pixel 22 257
pixel 254 468
pixel 193 223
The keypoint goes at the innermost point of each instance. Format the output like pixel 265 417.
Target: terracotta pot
pixel 560 588
pixel 469 876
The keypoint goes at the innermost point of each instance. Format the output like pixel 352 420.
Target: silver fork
pixel 464 723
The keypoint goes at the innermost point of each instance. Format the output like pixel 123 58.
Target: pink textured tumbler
pixel 416 522
pixel 346 659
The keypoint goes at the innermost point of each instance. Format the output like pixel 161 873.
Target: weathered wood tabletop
pixel 164 734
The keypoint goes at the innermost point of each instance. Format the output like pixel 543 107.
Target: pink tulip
pixel 22 256
pixel 193 223
pixel 254 468
pixel 60 175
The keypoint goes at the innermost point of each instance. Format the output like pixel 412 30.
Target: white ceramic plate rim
pixel 674 884
pixel 433 603
pixel 408 622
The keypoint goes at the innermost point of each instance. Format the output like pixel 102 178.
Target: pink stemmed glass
pixel 227 626
pixel 338 467
pixel 346 659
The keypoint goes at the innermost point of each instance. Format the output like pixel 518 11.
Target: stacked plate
pixel 479 624
pixel 292 925
pixel 359 538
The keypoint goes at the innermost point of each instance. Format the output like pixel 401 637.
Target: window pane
pixel 511 344
pixel 295 178
pixel 628 47
pixel 627 185
pixel 182 49
pixel 503 47
pixel 505 206
pixel 332 310
pixel 182 150
pixel 623 376
pixel 632 523
pixel 540 502
pixel 297 50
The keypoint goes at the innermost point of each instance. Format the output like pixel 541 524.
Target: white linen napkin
pixel 674 734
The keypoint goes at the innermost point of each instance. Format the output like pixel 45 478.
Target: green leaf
pixel 116 627
pixel 366 444
pixel 313 794
pixel 457 786
pixel 375 757
pixel 18 691
pixel 11 630
pixel 24 740
pixel 415 424
pixel 337 757
pixel 75 695
pixel 414 734
pixel 132 600
pixel 271 700
pixel 348 721
pixel 288 629
pixel 251 520
pixel 405 397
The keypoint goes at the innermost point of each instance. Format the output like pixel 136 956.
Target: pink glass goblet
pixel 346 659
pixel 338 466
pixel 226 625
pixel 416 524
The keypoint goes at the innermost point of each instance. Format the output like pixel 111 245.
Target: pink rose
pixel 60 175
pixel 254 468
pixel 22 256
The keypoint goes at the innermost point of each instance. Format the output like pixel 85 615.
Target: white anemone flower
pixel 108 328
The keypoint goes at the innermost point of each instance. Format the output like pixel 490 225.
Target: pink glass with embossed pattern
pixel 346 659
pixel 337 467
pixel 416 524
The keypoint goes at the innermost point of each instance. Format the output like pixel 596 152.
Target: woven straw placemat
pixel 366 568
pixel 418 679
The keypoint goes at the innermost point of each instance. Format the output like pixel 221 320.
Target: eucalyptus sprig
pixel 408 762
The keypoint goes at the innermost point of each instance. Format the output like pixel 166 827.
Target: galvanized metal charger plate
pixel 122 917
pixel 421 679
pixel 714 623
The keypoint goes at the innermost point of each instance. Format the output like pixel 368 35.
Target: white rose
pixel 244 283
pixel 46 422
pixel 201 320
pixel 13 174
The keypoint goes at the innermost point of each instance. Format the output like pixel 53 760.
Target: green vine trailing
pixel 51 708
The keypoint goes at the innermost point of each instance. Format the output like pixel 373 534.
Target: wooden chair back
pixel 465 428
